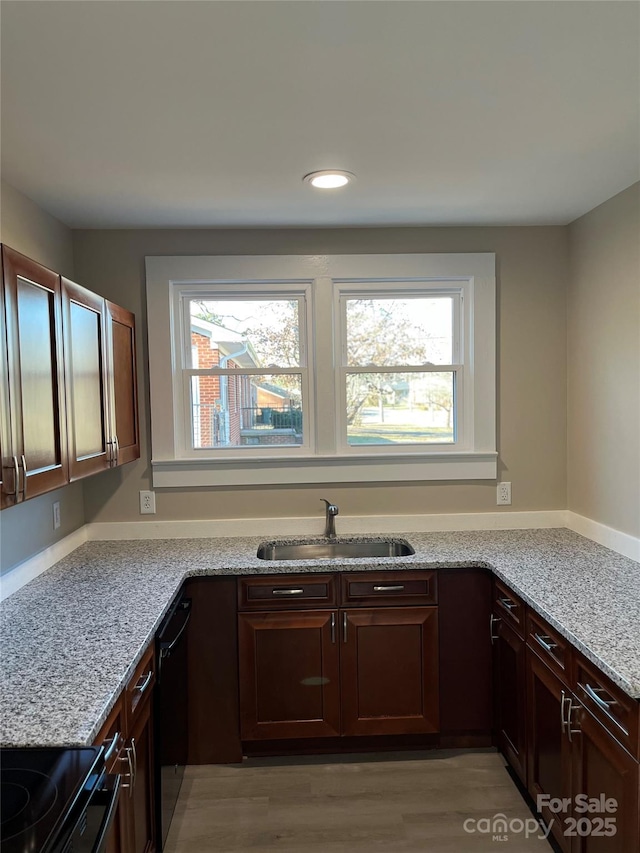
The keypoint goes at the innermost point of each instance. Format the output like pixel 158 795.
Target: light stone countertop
pixel 70 639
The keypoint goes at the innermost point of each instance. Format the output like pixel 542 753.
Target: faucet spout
pixel 330 516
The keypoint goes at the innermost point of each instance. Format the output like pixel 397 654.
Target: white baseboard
pixel 623 543
pixel 306 526
pixel 21 574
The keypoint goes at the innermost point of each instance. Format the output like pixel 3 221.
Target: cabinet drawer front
pixel 388 588
pixel 510 607
pixel 287 592
pixel 554 650
pixel 616 711
pixel 140 685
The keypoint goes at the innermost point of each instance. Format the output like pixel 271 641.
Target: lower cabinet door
pixel 605 792
pixel 389 670
pixel 289 675
pixel 510 695
pixel 141 803
pixel 549 749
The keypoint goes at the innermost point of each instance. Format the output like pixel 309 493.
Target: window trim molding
pixel 326 466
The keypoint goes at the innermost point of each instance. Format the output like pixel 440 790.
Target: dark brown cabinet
pixel 338 671
pixel 128 738
pixel 34 447
pixel 289 675
pixel 100 361
pixel 68 392
pixel 549 746
pixel 389 670
pixel 509 668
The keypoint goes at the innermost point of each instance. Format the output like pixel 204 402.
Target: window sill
pixel 174 473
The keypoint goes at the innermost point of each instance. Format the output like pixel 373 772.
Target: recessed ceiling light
pixel 329 179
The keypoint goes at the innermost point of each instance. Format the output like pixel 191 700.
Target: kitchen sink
pixel 336 550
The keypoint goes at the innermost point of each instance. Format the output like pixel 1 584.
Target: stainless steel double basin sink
pixel 338 549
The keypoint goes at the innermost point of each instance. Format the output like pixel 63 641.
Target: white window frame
pixel 182 375
pixel 324 457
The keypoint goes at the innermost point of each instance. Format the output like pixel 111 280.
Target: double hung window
pixel 292 369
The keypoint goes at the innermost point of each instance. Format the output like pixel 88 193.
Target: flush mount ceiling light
pixel 329 179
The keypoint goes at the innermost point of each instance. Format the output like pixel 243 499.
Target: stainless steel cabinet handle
pixel 135 760
pixel 287 591
pixel 129 761
pixel 388 588
pixel 545 642
pixel 492 621
pixel 107 446
pixel 116 450
pixel 570 709
pixel 333 627
pixel 112 746
pixel 344 627
pixel 144 682
pixel 24 478
pixel 506 602
pixel 16 479
pixel 591 692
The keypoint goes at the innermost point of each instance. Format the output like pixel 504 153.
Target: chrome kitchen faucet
pixel 330 515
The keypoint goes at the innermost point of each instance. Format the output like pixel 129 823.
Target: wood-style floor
pixel 334 804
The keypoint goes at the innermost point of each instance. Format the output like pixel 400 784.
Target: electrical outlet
pixel 56 515
pixel 504 494
pixel 147 503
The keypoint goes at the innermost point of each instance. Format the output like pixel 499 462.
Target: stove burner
pixel 27 797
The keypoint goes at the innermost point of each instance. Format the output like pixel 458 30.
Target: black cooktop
pixel 38 791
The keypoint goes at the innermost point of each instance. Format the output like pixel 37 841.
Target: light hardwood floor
pixel 334 804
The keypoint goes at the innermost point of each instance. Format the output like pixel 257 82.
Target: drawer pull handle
pixel 545 642
pixel 287 591
pixel 144 682
pixel 506 602
pixel 602 703
pixel 112 746
pixel 593 693
pixel 344 627
pixel 388 588
pixel 333 627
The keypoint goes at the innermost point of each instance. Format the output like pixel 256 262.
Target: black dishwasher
pixel 171 712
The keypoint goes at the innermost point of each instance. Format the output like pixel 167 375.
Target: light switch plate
pixel 56 515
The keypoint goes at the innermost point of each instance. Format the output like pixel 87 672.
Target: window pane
pixel 400 408
pixel 388 332
pixel 245 333
pixel 245 410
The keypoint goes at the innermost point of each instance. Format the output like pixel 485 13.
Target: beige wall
pixel 28 229
pixel 532 279
pixel 28 528
pixel 604 363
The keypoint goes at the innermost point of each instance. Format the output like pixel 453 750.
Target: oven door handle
pixel 111 791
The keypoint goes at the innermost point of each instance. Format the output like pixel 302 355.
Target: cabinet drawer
pixel 554 650
pixel 393 588
pixel 510 607
pixel 610 705
pixel 140 684
pixel 287 592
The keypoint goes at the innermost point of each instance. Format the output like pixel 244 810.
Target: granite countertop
pixel 70 639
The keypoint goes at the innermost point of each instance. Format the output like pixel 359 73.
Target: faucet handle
pixel 332 509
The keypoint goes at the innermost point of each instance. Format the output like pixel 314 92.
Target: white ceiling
pixel 132 114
